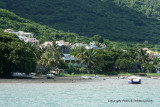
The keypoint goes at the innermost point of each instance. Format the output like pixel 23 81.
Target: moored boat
pixel 23 75
pixel 154 77
pixel 134 80
pixel 86 77
pixel 50 76
pixel 122 77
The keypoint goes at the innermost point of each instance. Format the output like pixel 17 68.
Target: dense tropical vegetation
pixel 15 56
pixel 151 8
pixel 113 61
pixel 50 59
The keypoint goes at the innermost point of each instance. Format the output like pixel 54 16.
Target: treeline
pixel 15 56
pixel 112 61
pixel 90 17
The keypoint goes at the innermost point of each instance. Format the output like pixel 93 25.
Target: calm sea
pixel 99 93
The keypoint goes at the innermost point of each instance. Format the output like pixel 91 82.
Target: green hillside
pixel 41 32
pixel 151 8
pixel 113 19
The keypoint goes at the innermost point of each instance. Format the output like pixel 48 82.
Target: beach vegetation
pixel 15 56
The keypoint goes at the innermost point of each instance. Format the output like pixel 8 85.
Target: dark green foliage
pixel 97 38
pixel 150 68
pixel 151 8
pixel 15 56
pixel 107 61
pixel 118 20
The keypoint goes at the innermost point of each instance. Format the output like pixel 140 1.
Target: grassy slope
pixel 89 17
pixel 12 21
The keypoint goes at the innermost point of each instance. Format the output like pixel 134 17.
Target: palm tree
pixel 142 56
pixel 51 58
pixel 46 59
pixel 89 57
pixel 81 51
pixel 57 58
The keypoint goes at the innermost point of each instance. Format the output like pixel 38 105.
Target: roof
pixel 66 43
pixel 145 49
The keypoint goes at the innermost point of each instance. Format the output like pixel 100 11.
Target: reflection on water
pixel 100 93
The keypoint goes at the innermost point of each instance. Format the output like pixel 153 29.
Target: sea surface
pixel 110 92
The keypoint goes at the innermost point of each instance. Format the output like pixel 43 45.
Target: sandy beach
pixel 58 79
pixel 45 80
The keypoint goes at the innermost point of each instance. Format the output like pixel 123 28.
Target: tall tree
pixel 89 57
pixel 15 56
pixel 142 56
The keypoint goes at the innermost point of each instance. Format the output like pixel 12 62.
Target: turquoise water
pixel 82 94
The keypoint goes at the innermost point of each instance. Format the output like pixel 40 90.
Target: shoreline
pixel 45 80
pixel 61 79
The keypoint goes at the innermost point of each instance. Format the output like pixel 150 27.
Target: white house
pixel 47 43
pixel 22 33
pixel 78 45
pixel 60 42
pixel 26 37
pixel 9 30
pixel 88 47
pixel 32 40
pixel 68 57
pixel 92 45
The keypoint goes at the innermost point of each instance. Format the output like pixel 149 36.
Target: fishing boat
pixel 122 77
pixel 154 77
pixel 50 76
pixel 134 80
pixel 23 75
pixel 86 77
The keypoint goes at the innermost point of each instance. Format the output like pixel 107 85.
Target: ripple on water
pixel 88 94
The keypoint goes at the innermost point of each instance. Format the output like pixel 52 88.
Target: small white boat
pixel 22 75
pixel 122 77
pixel 86 77
pixel 154 77
pixel 18 74
pixel 134 80
pixel 50 76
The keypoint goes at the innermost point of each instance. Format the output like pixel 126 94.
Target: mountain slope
pixel 89 17
pixel 151 8
pixel 43 33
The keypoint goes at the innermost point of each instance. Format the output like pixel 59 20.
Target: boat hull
pixel 134 82
pixel 50 76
